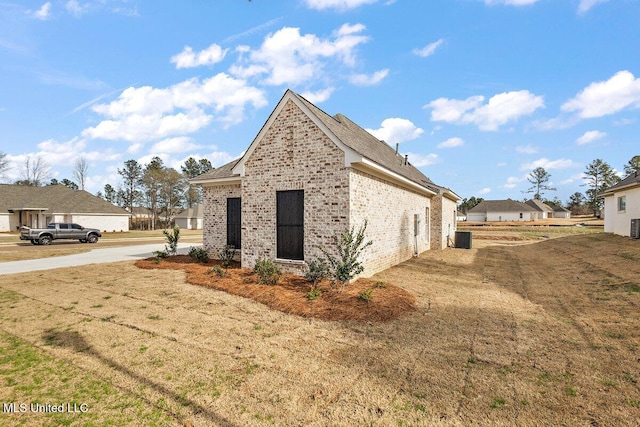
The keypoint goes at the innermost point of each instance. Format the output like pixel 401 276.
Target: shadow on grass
pixel 75 341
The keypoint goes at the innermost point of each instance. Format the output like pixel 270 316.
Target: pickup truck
pixel 60 230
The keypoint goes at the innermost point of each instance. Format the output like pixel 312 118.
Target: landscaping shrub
pixel 267 271
pixel 199 254
pixel 172 240
pixel 349 244
pixel 366 295
pixel 217 270
pixel 317 271
pixel 226 255
pixel 159 256
pixel 314 293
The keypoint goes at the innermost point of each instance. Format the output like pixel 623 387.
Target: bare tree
pixel 4 163
pixel 35 172
pixel 80 169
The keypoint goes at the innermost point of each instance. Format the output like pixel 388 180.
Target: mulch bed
pixel 387 301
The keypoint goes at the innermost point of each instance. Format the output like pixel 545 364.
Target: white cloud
pixel 527 149
pixel 318 96
pixel 485 190
pixel 452 110
pixel 287 57
pixel 147 113
pixel 396 130
pixel 369 80
pixel 590 136
pixel 510 2
pixel 337 4
pixel 419 160
pixel 174 145
pixel 599 99
pixel 189 59
pixel 513 182
pixel 451 142
pixel 429 49
pixel 586 5
pixel 499 110
pixel 43 13
pixel 548 164
pixel 75 8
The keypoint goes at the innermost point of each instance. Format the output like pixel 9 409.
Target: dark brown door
pixel 290 224
pixel 233 222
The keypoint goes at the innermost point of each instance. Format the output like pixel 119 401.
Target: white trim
pixel 209 182
pixel 350 156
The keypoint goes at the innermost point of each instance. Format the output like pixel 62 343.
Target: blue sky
pixel 477 92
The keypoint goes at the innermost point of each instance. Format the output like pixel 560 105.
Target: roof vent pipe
pixel 406 159
pixel 397 146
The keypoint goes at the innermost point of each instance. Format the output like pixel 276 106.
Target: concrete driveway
pixel 96 256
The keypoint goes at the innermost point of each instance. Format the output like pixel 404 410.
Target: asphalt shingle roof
pixel 539 205
pixel 55 199
pixel 629 181
pixel 356 138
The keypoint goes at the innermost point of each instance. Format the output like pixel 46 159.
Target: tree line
pixel 160 191
pixel 598 177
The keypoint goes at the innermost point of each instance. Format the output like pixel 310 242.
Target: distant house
pixel 461 216
pixel 621 205
pixel 501 210
pixel 36 207
pixel 544 211
pixel 560 212
pixel 308 176
pixel 191 218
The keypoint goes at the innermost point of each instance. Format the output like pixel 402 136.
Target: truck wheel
pixel 45 240
pixel 92 238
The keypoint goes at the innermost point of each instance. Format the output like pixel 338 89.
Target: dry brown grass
pixel 290 295
pixel 532 335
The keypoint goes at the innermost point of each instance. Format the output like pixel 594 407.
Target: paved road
pixel 96 256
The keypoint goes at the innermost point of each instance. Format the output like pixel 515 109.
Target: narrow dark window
pixel 290 224
pixel 233 222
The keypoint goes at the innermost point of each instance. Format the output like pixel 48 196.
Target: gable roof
pixel 197 211
pixel 558 208
pixel 359 146
pixel 539 205
pixel 501 206
pixel 54 199
pixel 630 181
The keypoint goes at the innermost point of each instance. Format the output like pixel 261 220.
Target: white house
pixel 308 176
pixel 544 211
pixel 191 218
pixel 35 207
pixel 560 212
pixel 621 205
pixel 501 210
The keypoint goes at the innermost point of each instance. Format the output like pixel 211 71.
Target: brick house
pixel 307 176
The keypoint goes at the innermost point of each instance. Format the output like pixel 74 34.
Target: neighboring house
pixel 501 210
pixel 621 205
pixel 461 216
pixel 308 176
pixel 36 207
pixel 544 211
pixel 191 218
pixel 560 212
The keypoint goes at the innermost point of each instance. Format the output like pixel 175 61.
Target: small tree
pixel 172 240
pixel 349 244
pixel 632 166
pixel 539 177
